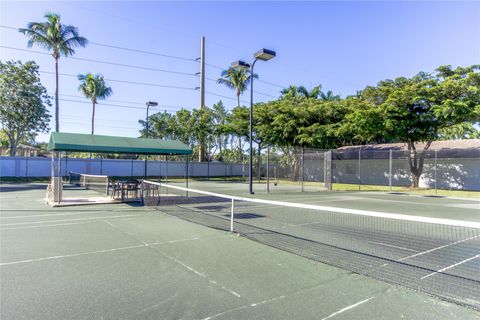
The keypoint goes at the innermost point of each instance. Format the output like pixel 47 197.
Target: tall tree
pixel 420 108
pixel 310 94
pixel 93 87
pixel 23 103
pixel 329 96
pixel 236 79
pixel 59 38
pixel 219 117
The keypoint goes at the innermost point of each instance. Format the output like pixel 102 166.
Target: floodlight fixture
pixel 264 54
pixel 240 64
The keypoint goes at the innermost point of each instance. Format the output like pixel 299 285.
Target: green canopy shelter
pixel 77 142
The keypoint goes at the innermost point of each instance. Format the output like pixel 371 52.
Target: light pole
pixel 149 104
pixel 263 55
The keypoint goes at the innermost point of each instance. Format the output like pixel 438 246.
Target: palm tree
pixel 236 79
pixel 94 88
pixel 290 92
pixel 329 96
pixel 314 93
pixel 58 38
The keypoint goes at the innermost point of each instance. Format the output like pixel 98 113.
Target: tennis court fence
pixel 288 169
pixel 306 169
pixel 436 256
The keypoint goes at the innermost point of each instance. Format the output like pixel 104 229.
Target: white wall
pixel 40 167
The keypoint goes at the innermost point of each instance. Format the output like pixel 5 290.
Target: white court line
pixel 450 267
pixel 437 248
pixel 347 308
pixel 70 255
pixel 46 226
pixel 80 219
pixel 391 245
pixel 59 214
pixel 92 252
pixel 118 229
pixel 243 307
pixel 198 273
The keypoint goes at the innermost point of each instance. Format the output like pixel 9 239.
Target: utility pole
pixel 201 154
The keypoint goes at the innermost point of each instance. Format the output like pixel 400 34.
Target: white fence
pixel 25 167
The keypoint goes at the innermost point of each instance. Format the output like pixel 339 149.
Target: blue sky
pixel 344 46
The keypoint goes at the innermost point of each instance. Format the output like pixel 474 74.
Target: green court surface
pixel 121 261
pixel 467 209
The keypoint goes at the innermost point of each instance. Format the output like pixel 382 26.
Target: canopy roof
pixel 77 142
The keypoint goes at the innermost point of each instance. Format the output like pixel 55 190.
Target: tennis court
pixel 124 261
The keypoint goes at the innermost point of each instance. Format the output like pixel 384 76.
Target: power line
pixel 107 62
pixel 108 104
pixel 259 80
pixel 100 119
pixel 150 84
pixel 129 82
pixel 257 92
pixel 125 48
pixel 142 51
pixel 121 101
pixel 137 51
pixel 98 125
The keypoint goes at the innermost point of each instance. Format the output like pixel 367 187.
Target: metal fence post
pixel 186 176
pixel 166 168
pixel 131 168
pixel 390 170
pixel 303 166
pixel 268 168
pixel 359 168
pixel 436 191
pixel 26 167
pixel 208 168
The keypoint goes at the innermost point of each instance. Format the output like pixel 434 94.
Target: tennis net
pixel 97 183
pixel 437 256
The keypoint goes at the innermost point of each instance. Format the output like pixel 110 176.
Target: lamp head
pixel 264 54
pixel 240 64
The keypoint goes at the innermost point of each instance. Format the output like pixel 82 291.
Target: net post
pixel 268 168
pixel 390 170
pixel 436 191
pixel 101 165
pixel 231 215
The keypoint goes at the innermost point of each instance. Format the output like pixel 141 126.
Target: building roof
pixel 436 145
pixel 26 147
pixel 77 142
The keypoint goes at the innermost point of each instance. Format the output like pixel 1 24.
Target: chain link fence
pixel 298 169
